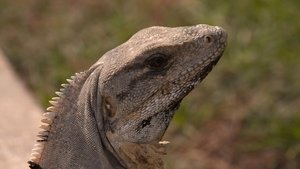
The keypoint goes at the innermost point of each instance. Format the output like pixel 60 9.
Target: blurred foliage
pixel 256 84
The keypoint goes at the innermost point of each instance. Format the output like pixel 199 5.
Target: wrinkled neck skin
pixel 76 137
pixel 142 156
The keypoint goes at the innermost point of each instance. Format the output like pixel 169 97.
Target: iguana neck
pixel 72 136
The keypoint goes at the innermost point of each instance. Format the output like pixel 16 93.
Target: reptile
pixel 113 115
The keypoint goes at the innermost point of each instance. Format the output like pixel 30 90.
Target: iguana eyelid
pixel 157 61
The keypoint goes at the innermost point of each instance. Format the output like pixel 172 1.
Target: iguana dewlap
pixel 113 115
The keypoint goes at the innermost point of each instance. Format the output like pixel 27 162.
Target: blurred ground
pixel 20 116
pixel 245 114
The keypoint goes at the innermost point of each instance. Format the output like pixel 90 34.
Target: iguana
pixel 113 115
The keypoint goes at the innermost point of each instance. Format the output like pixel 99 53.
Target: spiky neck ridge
pixel 70 131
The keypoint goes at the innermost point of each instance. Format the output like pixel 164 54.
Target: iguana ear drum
pixel 111 112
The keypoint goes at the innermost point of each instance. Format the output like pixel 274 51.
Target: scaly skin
pixel 113 115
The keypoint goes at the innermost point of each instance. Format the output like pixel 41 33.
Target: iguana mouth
pixel 169 111
pixel 204 72
pixel 199 76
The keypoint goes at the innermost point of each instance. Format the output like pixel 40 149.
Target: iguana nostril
pixel 208 39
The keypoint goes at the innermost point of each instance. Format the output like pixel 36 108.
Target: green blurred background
pixel 245 114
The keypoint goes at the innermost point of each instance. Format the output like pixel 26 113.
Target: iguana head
pixel 147 77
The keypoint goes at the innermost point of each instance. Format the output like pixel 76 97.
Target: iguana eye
pixel 157 61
